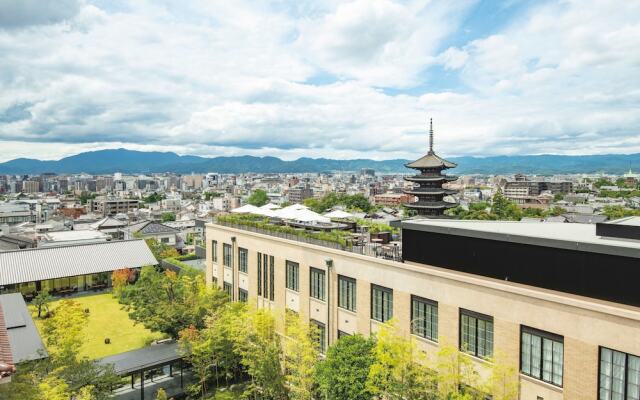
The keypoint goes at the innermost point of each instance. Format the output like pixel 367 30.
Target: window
pixel 265 275
pixel 243 260
pixel 243 295
pixel 259 274
pixel 214 251
pixel 347 293
pixel 381 303
pixel 476 334
pixel 342 334
pixel 619 375
pixel 272 278
pixel 321 334
pixel 317 284
pixel 293 276
pixel 424 318
pixel 214 280
pixel 228 289
pixel 164 240
pixel 226 255
pixel 541 355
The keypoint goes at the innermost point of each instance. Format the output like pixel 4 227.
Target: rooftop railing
pixel 371 249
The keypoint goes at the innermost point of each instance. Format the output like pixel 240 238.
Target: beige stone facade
pixel 584 324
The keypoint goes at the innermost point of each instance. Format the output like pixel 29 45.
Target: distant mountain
pixel 129 161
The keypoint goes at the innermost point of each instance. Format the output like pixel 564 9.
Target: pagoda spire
pixel 430 135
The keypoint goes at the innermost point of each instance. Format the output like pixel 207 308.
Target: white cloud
pixel 302 78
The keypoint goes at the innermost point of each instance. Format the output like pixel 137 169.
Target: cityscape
pixel 231 226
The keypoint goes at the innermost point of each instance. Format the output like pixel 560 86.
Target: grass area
pixel 107 320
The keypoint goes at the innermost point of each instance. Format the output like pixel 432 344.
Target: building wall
pixel 585 324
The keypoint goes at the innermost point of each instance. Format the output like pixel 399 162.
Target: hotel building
pixel 559 302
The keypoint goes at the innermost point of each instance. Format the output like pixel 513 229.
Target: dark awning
pixel 143 359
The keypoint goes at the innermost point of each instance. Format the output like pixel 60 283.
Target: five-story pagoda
pixel 428 188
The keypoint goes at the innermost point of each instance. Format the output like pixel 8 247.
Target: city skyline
pixel 340 80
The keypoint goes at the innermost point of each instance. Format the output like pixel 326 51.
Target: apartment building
pixel 114 205
pixel 559 302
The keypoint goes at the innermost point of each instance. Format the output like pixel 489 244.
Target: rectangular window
pixel 243 295
pixel 424 318
pixel 476 334
pixel 265 275
pixel 342 334
pixel 226 255
pixel 317 283
pixel 542 355
pixel 293 276
pixel 259 274
pixel 272 278
pixel 347 293
pixel 381 303
pixel 321 332
pixel 228 289
pixel 214 280
pixel 243 260
pixel 619 375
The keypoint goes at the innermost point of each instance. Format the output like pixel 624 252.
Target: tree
pixel 168 216
pixel 504 209
pixel 121 278
pixel 166 302
pixel 455 374
pixel 41 301
pixel 399 370
pixel 161 394
pixel 259 346
pixel 343 374
pixel 63 331
pixel 503 383
pixel 258 198
pixel 300 357
pixel 196 349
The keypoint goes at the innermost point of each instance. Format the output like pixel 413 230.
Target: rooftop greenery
pixel 260 222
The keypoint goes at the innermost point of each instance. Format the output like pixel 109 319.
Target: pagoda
pixel 428 183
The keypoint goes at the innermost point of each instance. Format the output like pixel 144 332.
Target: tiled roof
pixel 5 345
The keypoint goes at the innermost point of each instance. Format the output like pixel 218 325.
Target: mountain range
pixel 130 161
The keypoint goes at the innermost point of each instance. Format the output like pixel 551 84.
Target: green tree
pixel 63 331
pixel 259 346
pixel 300 357
pixel 258 198
pixel 503 383
pixel 504 209
pixel 455 374
pixel 168 216
pixel 399 370
pixel 343 374
pixel 42 301
pixel 166 302
pixel 161 394
pixel 196 349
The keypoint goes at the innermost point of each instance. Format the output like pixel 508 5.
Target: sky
pixel 307 78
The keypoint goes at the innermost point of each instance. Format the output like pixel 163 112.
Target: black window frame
pixel 259 280
pixel 227 288
pixel 272 278
pixel 351 296
pixel 542 335
pixel 384 290
pixel 292 275
pixel 243 295
pixel 227 255
pixel 214 251
pixel 243 260
pixel 321 288
pixel 625 383
pixel 322 335
pixel 478 317
pixel 416 328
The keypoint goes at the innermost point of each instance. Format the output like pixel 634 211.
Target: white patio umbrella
pixel 269 206
pixel 246 209
pixel 338 214
pixel 309 216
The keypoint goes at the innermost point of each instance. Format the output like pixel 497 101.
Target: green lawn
pixel 107 320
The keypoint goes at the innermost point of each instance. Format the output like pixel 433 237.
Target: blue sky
pixel 339 79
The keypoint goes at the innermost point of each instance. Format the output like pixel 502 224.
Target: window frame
pixel 214 251
pixel 272 278
pixel 434 318
pixel 478 317
pixel 322 335
pixel 351 296
pixel 227 255
pixel 227 288
pixel 292 275
pixel 243 260
pixel 542 335
pixel 243 295
pixel 322 285
pixel 259 274
pixel 383 290
pixel 625 382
